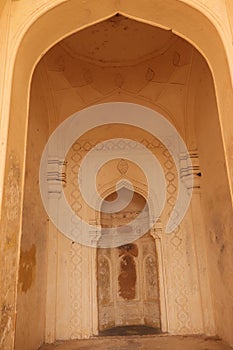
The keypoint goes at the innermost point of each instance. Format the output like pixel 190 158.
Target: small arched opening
pixel 127 276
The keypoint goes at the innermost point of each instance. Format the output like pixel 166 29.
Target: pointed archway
pixel 127 276
pixel 46 31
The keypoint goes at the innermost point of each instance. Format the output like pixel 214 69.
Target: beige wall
pixel 30 326
pixel 165 83
pixel 16 19
pixel 216 201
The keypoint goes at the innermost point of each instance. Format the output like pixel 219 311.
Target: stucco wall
pixel 216 202
pixel 30 324
pixel 162 81
pixel 16 20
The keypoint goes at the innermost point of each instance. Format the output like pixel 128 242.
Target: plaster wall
pixel 215 197
pixel 31 299
pixel 16 20
pixel 161 81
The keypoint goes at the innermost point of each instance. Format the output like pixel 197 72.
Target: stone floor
pixel 130 330
pixel 150 342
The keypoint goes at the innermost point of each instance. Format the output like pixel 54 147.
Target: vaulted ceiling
pixel 119 41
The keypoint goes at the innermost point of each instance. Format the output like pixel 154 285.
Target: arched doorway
pixel 17 147
pixel 72 314
pixel 127 277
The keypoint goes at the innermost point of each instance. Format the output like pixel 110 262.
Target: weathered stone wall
pixel 210 32
pixel 159 80
pixel 215 197
pixel 32 281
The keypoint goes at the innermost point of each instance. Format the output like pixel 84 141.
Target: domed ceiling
pixel 118 41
